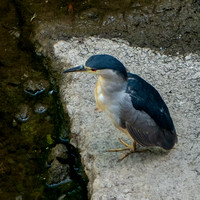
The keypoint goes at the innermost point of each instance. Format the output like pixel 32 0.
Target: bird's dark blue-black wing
pixel 146 98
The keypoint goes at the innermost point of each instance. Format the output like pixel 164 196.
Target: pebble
pixel 34 87
pixel 39 108
pixel 24 113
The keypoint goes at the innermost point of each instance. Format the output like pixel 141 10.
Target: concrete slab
pixel 154 175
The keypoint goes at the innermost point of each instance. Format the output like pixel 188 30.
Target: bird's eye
pixel 93 70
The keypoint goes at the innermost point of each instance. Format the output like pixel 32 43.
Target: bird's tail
pixel 169 139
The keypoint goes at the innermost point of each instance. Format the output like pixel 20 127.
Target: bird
pixel 134 106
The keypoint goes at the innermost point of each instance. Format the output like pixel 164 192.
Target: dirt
pixel 171 27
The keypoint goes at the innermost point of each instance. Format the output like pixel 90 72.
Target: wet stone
pixel 64 136
pixel 59 151
pixel 34 87
pixel 40 108
pixel 24 113
pixel 58 173
pixel 59 170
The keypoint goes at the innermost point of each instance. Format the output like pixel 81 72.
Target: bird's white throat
pixel 110 82
pixel 109 94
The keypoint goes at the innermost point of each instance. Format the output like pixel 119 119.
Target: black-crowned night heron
pixel 134 106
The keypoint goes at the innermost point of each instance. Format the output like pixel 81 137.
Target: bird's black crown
pixel 104 61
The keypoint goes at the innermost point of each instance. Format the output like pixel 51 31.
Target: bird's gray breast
pixel 113 105
pixel 136 118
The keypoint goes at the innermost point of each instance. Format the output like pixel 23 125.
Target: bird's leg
pixel 130 148
pixel 127 147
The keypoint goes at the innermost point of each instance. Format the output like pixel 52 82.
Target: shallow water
pixel 32 121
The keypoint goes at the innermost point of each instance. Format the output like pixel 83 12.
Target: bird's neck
pixel 111 86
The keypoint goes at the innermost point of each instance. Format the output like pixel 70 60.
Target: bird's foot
pixel 127 147
pixel 130 148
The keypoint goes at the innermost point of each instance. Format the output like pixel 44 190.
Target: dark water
pixel 32 121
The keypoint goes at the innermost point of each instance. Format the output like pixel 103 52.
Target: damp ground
pixel 170 27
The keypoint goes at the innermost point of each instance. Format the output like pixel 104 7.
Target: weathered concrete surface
pixel 156 175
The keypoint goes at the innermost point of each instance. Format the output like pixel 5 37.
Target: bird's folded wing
pixel 146 98
pixel 143 138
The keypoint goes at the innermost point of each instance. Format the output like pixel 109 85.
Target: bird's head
pixel 105 65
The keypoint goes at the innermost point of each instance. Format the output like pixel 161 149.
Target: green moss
pixel 49 139
pixel 29 130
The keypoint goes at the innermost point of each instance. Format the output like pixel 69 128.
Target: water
pixel 32 121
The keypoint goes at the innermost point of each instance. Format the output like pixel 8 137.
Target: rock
pixel 34 87
pixel 24 113
pixel 59 151
pixel 58 173
pixel 188 57
pixel 59 170
pixel 156 175
pixel 39 108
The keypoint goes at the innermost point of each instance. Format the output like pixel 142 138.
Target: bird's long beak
pixel 80 68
